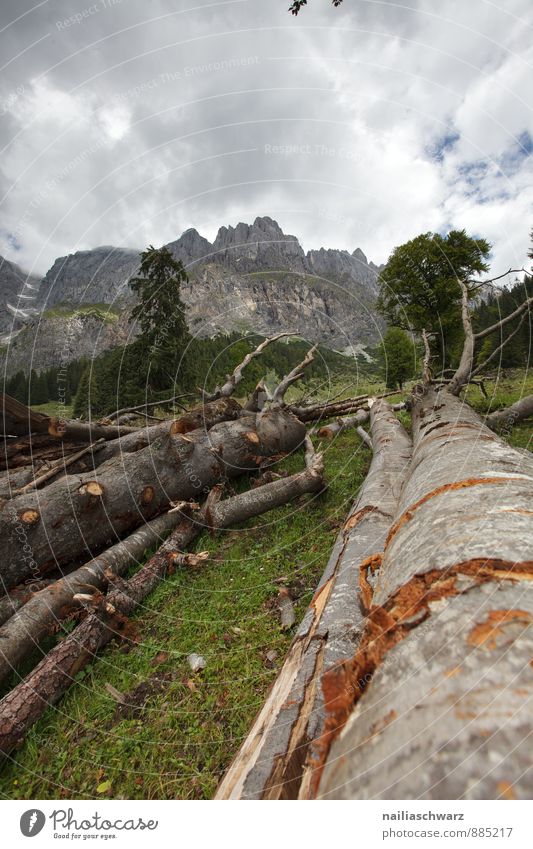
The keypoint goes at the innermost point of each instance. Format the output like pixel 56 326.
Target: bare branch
pixel 499 348
pixel 364 436
pixel 235 378
pixel 494 327
pixel 292 377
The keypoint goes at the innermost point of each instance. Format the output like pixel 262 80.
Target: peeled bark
pixel 23 706
pixel 270 764
pixel 434 703
pixel 46 607
pixel 505 419
pixel 77 516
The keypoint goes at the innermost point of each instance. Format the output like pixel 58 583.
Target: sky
pixel 125 122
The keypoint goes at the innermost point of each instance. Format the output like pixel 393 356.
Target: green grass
pixel 103 312
pixel 181 742
pixel 186 735
pixel 52 408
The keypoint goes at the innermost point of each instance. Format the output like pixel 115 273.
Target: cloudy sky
pixel 127 121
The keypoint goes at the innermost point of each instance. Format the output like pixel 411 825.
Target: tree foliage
pixel 419 286
pixel 398 357
pixel 160 313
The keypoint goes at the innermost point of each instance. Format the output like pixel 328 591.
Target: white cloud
pixel 406 120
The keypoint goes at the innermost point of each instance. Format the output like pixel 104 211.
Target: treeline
pixel 53 384
pixel 122 377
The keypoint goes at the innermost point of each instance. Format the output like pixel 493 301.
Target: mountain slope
pixel 252 277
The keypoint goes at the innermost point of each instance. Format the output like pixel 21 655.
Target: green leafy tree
pixel 419 286
pixel 398 356
pixel 160 313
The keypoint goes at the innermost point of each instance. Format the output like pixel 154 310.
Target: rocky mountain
pixel 252 277
pixel 18 292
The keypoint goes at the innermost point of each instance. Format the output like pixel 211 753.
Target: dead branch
pixel 293 376
pixel 498 349
pixel 45 609
pixel 341 424
pixel 235 378
pixel 494 327
pixel 504 420
pixel 149 404
pixel 364 436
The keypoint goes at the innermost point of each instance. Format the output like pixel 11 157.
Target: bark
pixel 17 598
pixel 345 423
pixel 23 706
pixel 54 471
pixel 433 705
pixel 464 369
pixel 39 448
pixel 204 416
pixel 46 607
pixel 505 419
pixel 77 516
pixel 318 412
pixel 270 764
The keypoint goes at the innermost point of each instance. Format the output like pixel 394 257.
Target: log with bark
pixel 43 687
pixel 77 516
pixel 43 608
pixel 434 703
pixel 270 764
pixel 504 420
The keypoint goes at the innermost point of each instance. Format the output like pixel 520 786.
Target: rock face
pixel 99 276
pixel 253 277
pixel 18 292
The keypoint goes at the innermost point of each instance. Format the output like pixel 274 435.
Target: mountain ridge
pixel 251 277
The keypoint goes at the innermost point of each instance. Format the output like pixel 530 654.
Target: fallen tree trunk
pixel 338 408
pixel 45 608
pixel 270 764
pixel 21 708
pixel 204 416
pixel 77 516
pixel 505 419
pixel 434 703
pixel 17 598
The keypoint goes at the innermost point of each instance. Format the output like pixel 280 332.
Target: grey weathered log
pixel 434 703
pixel 271 761
pixel 505 419
pixel 46 476
pixel 47 607
pixel 78 516
pixel 43 687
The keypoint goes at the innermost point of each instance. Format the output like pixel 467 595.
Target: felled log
pixel 18 597
pixel 45 607
pixel 56 672
pixel 338 426
pixel 271 761
pixel 204 416
pixel 434 704
pixel 77 516
pixel 317 412
pixel 20 420
pixel 505 419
